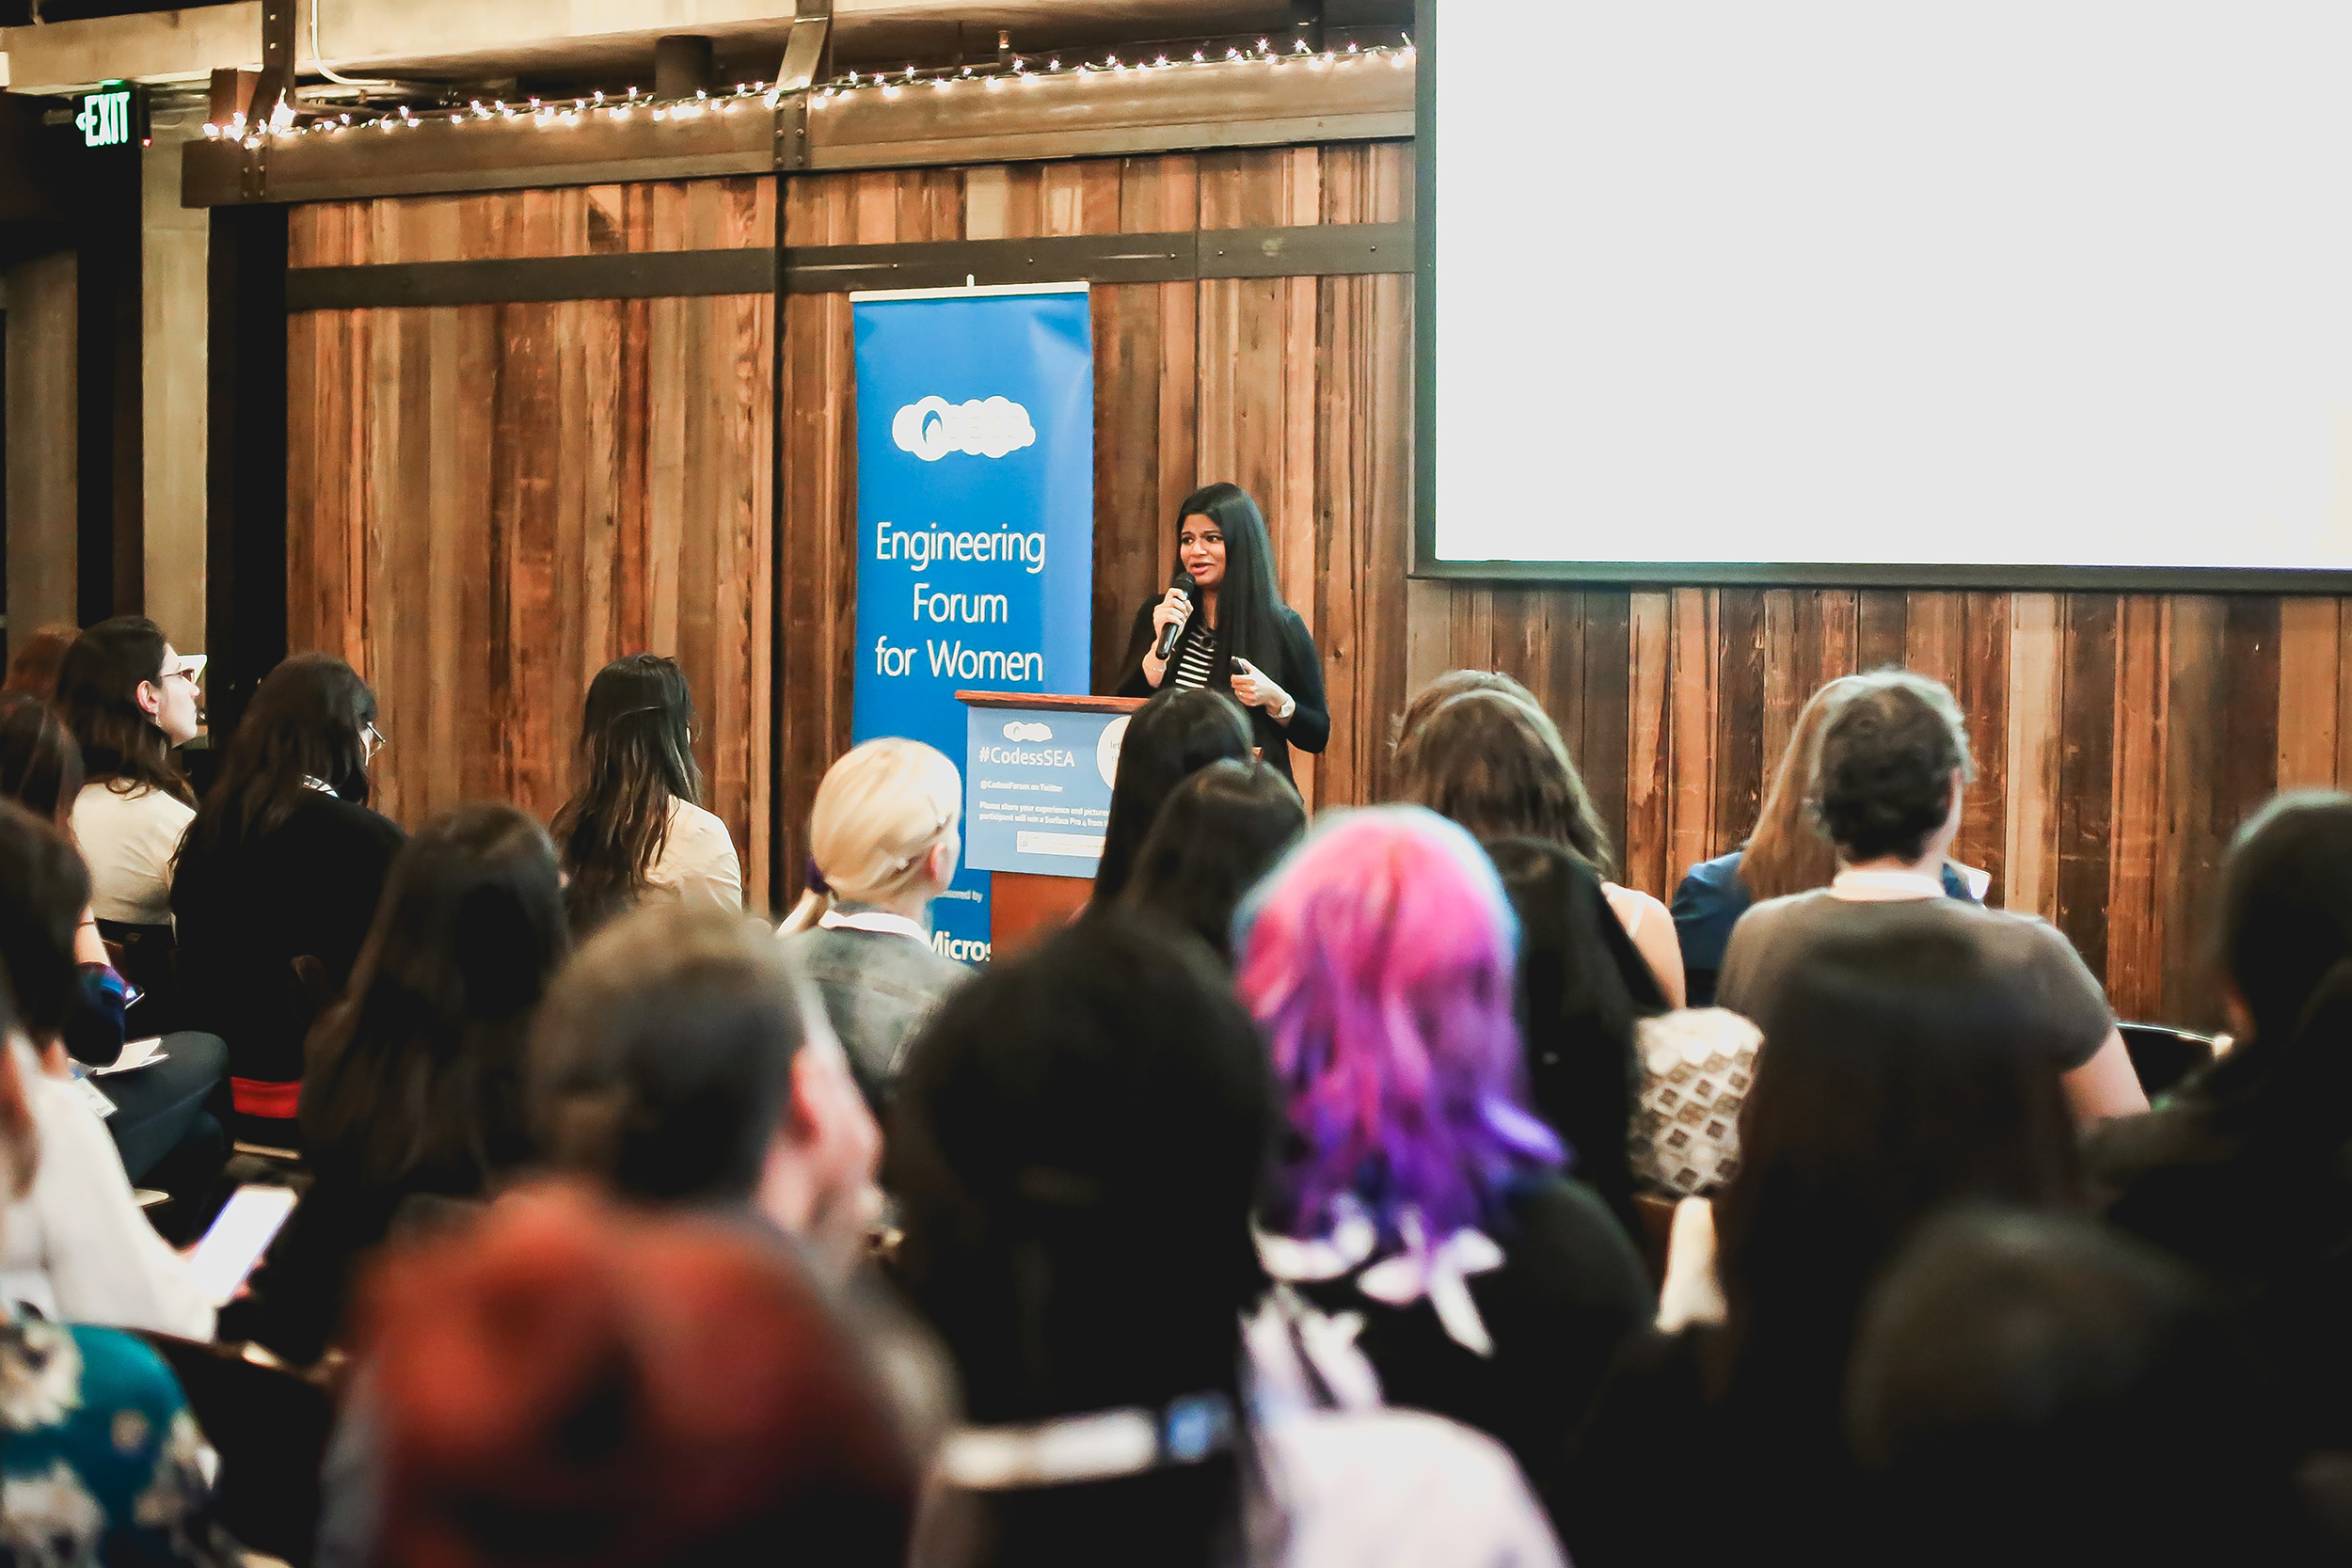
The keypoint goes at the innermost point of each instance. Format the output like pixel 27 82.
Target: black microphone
pixel 1174 629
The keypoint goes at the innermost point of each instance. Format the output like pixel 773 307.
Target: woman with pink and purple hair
pixel 1418 1190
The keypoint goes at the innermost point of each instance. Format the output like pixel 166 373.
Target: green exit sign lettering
pixel 114 116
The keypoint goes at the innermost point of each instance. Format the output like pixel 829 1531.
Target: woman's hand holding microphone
pixel 1173 611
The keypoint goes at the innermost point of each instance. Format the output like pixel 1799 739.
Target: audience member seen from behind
pixel 1217 835
pixel 167 1137
pixel 1494 762
pixel 571 1386
pixel 2040 1391
pixel 413 1092
pixel 280 877
pixel 1417 1191
pixel 2241 1170
pixel 33 667
pixel 77 1249
pixel 1887 789
pixel 636 830
pixel 883 842
pixel 1240 639
pixel 678 1063
pixel 1077 1147
pixel 130 698
pixel 1785 854
pixel 100 1461
pixel 1168 740
pixel 1577 1016
pixel 1898 1076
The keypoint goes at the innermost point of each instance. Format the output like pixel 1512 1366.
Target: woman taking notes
pixel 1233 631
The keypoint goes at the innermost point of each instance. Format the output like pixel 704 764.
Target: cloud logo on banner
pixel 1018 730
pixel 934 427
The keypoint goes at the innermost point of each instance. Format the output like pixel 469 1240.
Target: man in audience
pixel 680 1060
pixel 1887 791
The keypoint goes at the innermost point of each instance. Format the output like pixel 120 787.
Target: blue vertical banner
pixel 975 519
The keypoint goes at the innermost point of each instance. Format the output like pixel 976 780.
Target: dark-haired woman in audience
pixel 1168 740
pixel 1888 785
pixel 636 827
pixel 883 842
pixel 1897 1077
pixel 1785 854
pixel 100 1459
pixel 1079 1139
pixel 1493 761
pixel 413 1092
pixel 1418 1192
pixel 284 866
pixel 159 1108
pixel 130 698
pixel 1218 833
pixel 78 1249
pixel 1237 636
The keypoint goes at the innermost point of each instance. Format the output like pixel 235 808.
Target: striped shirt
pixel 1196 656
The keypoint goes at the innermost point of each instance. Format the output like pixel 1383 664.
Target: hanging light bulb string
pixel 626 104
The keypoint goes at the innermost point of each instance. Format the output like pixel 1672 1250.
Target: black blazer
pixel 1297 670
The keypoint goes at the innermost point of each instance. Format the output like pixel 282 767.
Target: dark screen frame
pixel 1427 564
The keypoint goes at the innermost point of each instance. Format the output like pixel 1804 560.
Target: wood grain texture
pixel 487 503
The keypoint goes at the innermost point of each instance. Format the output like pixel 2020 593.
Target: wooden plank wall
pixel 2120 739
pixel 1297 389
pixel 487 503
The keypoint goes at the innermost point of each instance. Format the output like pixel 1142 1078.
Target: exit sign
pixel 114 116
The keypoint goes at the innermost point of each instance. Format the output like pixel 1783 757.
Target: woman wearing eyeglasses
pixel 130 699
pixel 280 878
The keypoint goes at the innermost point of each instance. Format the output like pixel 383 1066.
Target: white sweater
pixel 697 863
pixel 77 1247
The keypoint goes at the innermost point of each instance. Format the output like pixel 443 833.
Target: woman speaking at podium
pixel 1231 631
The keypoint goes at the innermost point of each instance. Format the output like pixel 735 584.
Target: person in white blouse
pixel 636 830
pixel 130 698
pixel 77 1248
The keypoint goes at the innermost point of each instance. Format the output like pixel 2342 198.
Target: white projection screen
pixel 2018 291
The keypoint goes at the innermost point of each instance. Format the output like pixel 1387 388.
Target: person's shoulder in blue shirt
pixel 1710 901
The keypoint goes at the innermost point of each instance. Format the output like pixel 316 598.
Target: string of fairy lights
pixel 289 121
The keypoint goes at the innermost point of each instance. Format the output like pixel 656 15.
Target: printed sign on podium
pixel 1037 800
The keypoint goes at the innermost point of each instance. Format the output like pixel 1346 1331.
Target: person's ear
pixel 151 699
pixel 939 866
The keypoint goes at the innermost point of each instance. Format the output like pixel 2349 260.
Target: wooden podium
pixel 1025 905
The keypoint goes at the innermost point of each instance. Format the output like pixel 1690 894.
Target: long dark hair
pixel 97 693
pixel 1898 1076
pixel 1168 739
pixel 418 1073
pixel 1495 763
pixel 636 755
pixel 1079 1140
pixel 43 890
pixel 1219 832
pixel 309 720
pixel 1249 605
pixel 40 763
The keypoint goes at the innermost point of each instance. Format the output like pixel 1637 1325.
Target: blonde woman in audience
pixel 883 842
pixel 1492 760
pixel 636 830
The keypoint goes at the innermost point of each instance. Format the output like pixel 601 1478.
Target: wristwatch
pixel 1290 706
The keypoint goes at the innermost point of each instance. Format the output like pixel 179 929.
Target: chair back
pixel 2163 1056
pixel 270 1425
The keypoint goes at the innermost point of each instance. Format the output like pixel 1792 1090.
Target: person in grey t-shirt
pixel 1887 790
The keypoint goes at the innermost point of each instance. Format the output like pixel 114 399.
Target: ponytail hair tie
pixel 817 883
